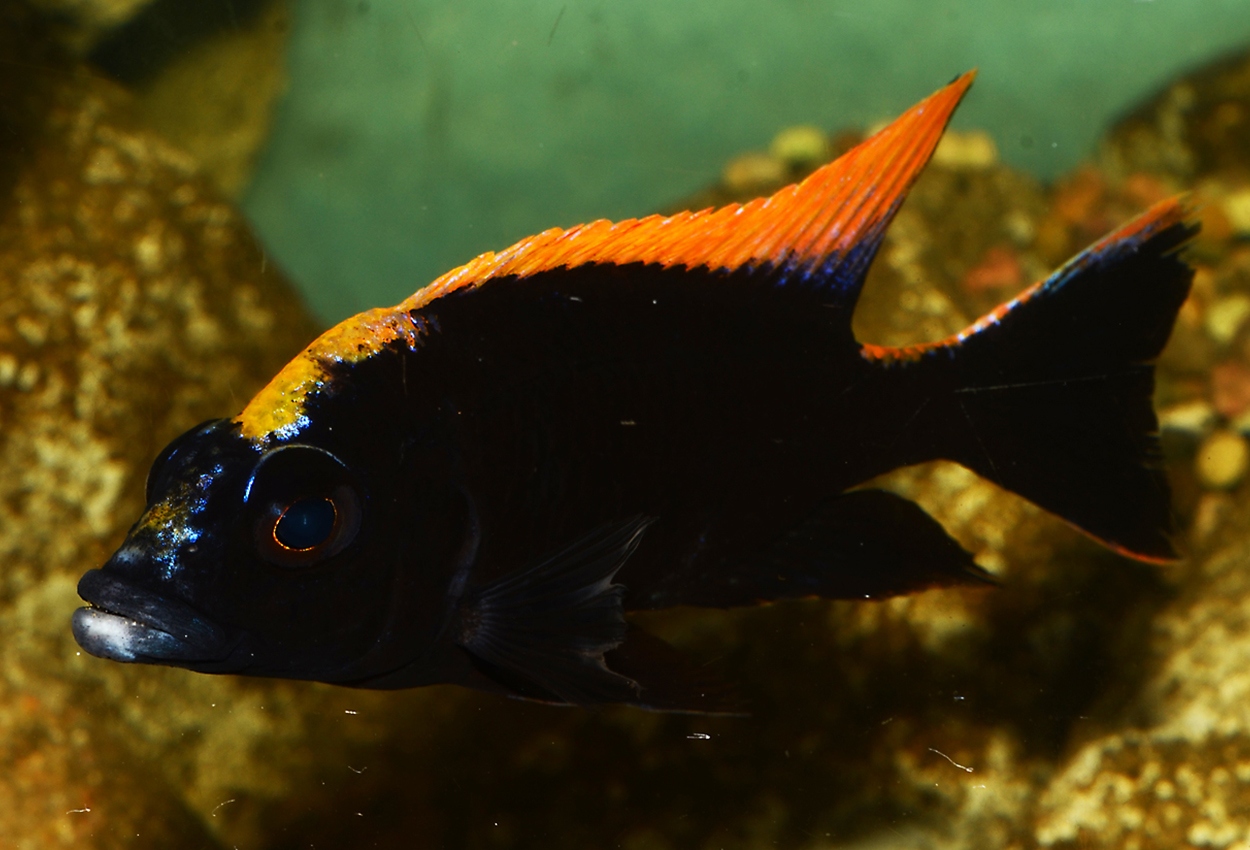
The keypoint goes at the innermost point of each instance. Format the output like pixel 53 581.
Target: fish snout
pixel 128 623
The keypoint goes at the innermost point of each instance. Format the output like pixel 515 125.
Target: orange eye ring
pixel 305 524
pixel 308 529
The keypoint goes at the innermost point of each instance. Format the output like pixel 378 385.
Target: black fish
pixel 476 485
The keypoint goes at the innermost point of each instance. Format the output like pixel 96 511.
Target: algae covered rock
pixel 80 23
pixel 1175 771
pixel 133 303
pixel 207 77
pixel 1195 127
pixel 1178 772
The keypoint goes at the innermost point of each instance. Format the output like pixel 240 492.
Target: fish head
pixel 287 559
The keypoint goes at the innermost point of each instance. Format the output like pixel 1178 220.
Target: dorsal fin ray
pixel 822 232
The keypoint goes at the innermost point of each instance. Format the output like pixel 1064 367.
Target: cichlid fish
pixel 476 485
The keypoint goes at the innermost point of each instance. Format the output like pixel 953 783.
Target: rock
pixel 966 150
pixel 1230 388
pixel 1225 317
pixel 801 145
pixel 951 254
pixel 81 23
pixel 1000 270
pixel 753 173
pixel 1236 209
pixel 134 303
pixel 1180 775
pixel 213 96
pixel 1193 417
pixel 1196 126
pixel 1222 460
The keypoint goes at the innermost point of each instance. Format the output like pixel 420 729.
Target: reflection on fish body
pixel 477 485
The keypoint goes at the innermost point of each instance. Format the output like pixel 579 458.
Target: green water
pixel 416 135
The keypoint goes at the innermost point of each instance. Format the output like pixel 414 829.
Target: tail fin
pixel 1052 391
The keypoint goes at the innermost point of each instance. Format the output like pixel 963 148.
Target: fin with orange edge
pixel 1053 390
pixel 822 232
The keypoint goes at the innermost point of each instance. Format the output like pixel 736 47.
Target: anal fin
pixel 862 544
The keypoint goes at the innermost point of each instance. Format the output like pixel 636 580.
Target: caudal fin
pixel 1052 391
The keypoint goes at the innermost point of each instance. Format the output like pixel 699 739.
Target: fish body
pixel 476 485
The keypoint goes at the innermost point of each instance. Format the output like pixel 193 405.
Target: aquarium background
pixel 416 135
pixel 1091 701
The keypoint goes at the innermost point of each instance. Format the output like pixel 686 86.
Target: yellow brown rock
pixel 1222 460
pixel 82 22
pixel 216 99
pixel 1197 125
pixel 754 173
pixel 969 150
pixel 1183 777
pixel 800 145
pixel 133 303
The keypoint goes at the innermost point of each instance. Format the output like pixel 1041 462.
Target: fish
pixel 477 485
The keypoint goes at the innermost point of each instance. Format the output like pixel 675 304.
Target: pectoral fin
pixel 543 631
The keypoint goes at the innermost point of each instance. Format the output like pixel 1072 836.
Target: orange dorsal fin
pixel 824 230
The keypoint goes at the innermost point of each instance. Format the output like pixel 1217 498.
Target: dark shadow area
pixel 136 52
pixel 1066 647
pixel 30 66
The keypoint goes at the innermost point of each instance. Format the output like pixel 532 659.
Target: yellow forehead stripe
pixel 279 410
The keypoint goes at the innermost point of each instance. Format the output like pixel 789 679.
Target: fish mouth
pixel 126 623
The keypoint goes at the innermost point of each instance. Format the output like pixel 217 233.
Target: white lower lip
pixel 119 638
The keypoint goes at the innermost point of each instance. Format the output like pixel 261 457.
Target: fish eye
pixel 305 506
pixel 305 524
pixel 309 529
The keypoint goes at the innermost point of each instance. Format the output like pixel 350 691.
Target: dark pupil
pixel 307 523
